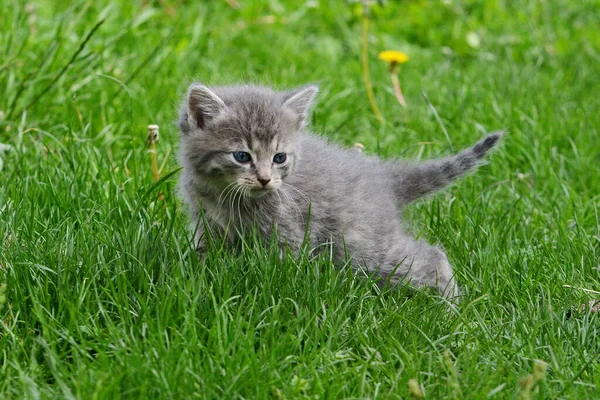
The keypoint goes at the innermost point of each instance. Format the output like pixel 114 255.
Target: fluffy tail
pixel 417 180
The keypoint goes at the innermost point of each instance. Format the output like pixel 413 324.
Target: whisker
pixel 228 187
pixel 239 200
pixel 293 202
pixel 280 206
pixel 300 192
pixel 232 215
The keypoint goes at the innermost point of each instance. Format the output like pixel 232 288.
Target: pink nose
pixel 264 181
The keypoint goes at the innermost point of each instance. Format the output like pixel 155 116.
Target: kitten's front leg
pixel 199 240
pixel 205 227
pixel 290 240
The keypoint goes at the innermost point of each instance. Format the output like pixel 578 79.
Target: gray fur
pixel 352 200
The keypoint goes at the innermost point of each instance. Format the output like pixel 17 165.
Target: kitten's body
pixel 348 200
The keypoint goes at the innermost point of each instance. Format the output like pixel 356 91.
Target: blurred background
pixel 118 66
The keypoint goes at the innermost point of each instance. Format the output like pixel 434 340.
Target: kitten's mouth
pixel 258 192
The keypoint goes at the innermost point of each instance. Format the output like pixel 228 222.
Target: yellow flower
pixel 393 56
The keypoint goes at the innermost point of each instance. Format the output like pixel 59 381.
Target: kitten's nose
pixel 264 181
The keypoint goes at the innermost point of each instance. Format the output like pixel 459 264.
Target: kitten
pixel 248 161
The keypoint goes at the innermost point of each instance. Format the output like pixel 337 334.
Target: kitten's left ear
pixel 203 105
pixel 300 101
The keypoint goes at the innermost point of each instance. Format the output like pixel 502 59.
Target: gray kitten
pixel 249 162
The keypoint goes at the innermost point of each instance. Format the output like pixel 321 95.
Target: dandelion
pixel 151 141
pixel 394 59
pixel 365 59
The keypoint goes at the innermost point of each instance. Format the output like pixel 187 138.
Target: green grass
pixel 105 297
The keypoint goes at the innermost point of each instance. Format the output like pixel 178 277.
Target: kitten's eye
pixel 279 158
pixel 242 157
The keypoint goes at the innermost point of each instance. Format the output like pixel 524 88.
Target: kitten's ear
pixel 202 105
pixel 300 100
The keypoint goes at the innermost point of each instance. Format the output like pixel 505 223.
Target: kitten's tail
pixel 414 181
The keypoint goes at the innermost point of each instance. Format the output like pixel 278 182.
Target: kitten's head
pixel 243 135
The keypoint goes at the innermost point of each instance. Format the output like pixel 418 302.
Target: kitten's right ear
pixel 300 100
pixel 202 106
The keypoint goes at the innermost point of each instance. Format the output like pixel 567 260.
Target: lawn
pixel 102 295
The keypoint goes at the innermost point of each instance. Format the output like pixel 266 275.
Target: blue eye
pixel 279 158
pixel 242 157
